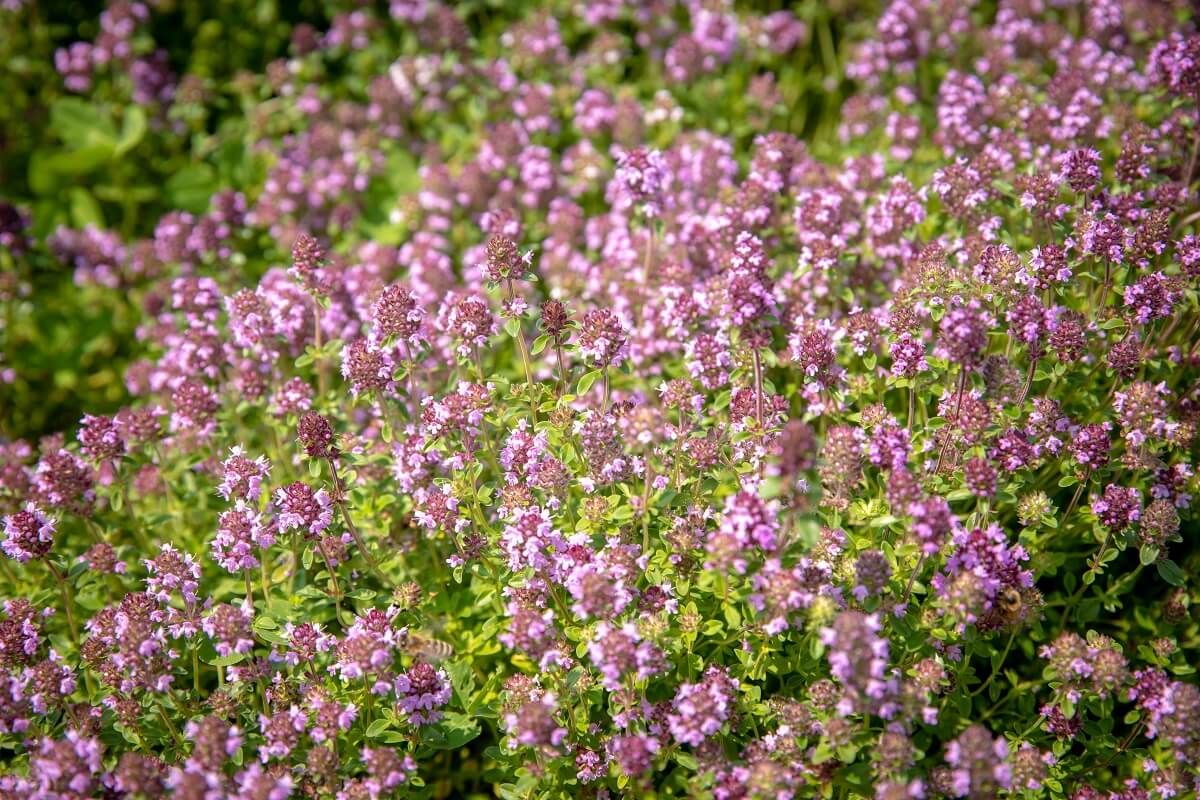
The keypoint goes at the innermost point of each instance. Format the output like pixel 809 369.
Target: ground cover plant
pixel 669 398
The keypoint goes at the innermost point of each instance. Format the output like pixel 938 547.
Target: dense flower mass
pixel 676 398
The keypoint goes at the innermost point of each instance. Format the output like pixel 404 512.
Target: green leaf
pixel 49 169
pixel 190 188
pixel 539 344
pixel 226 661
pixel 732 616
pixel 1148 554
pixel 376 728
pixel 456 729
pixel 462 679
pixel 1170 572
pixel 133 128
pixel 512 327
pixel 80 124
pixel 586 381
pixel 85 210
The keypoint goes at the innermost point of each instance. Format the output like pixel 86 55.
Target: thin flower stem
pixel 166 718
pixel 520 337
pixel 249 588
pixel 414 402
pixel 758 389
pixel 196 667
pixel 604 398
pixel 1074 499
pixel 1191 167
pixel 912 579
pixel 962 388
pixel 1028 380
pixel 1137 729
pixel 68 598
pixel 295 565
pixel 563 377
pixel 340 502
pixel 995 670
pixel 264 575
pixel 646 509
pixel 333 581
pixel 322 379
pixel 8 573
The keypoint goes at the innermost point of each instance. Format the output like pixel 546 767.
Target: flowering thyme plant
pixel 601 399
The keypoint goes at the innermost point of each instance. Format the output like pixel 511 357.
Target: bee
pixel 426 648
pixel 1010 605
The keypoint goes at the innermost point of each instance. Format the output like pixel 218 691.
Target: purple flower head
pixel 1090 445
pixel 369 649
pixel 304 642
pixel 979 477
pixel 241 531
pixel 172 571
pixel 1092 666
pixel 367 367
pixel 889 446
pixel 1118 507
pixel 470 321
pixel 858 660
pixel 1175 63
pixel 100 438
pixel 505 261
pixel 699 709
pixel 602 339
pixel 619 652
pixel 281 732
pixel 301 508
pixel 1154 296
pixel 229 628
pixel 241 477
pixel 533 724
pixel 908 356
pixel 780 591
pixel 641 181
pixel 258 783
pixel 387 769
pixel 980 764
pixel 750 521
pixel 194 408
pixel 633 753
pixel 63 482
pixel 991 567
pixel 28 534
pixel 421 692
pixel 1080 169
pixel 315 435
pixel 964 334
pixel 308 261
pixel 533 632
pixel 396 315
pixel 1029 322
pixel 293 397
pixel 932 522
pixel 872 573
pixel 67 767
pixel 528 539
